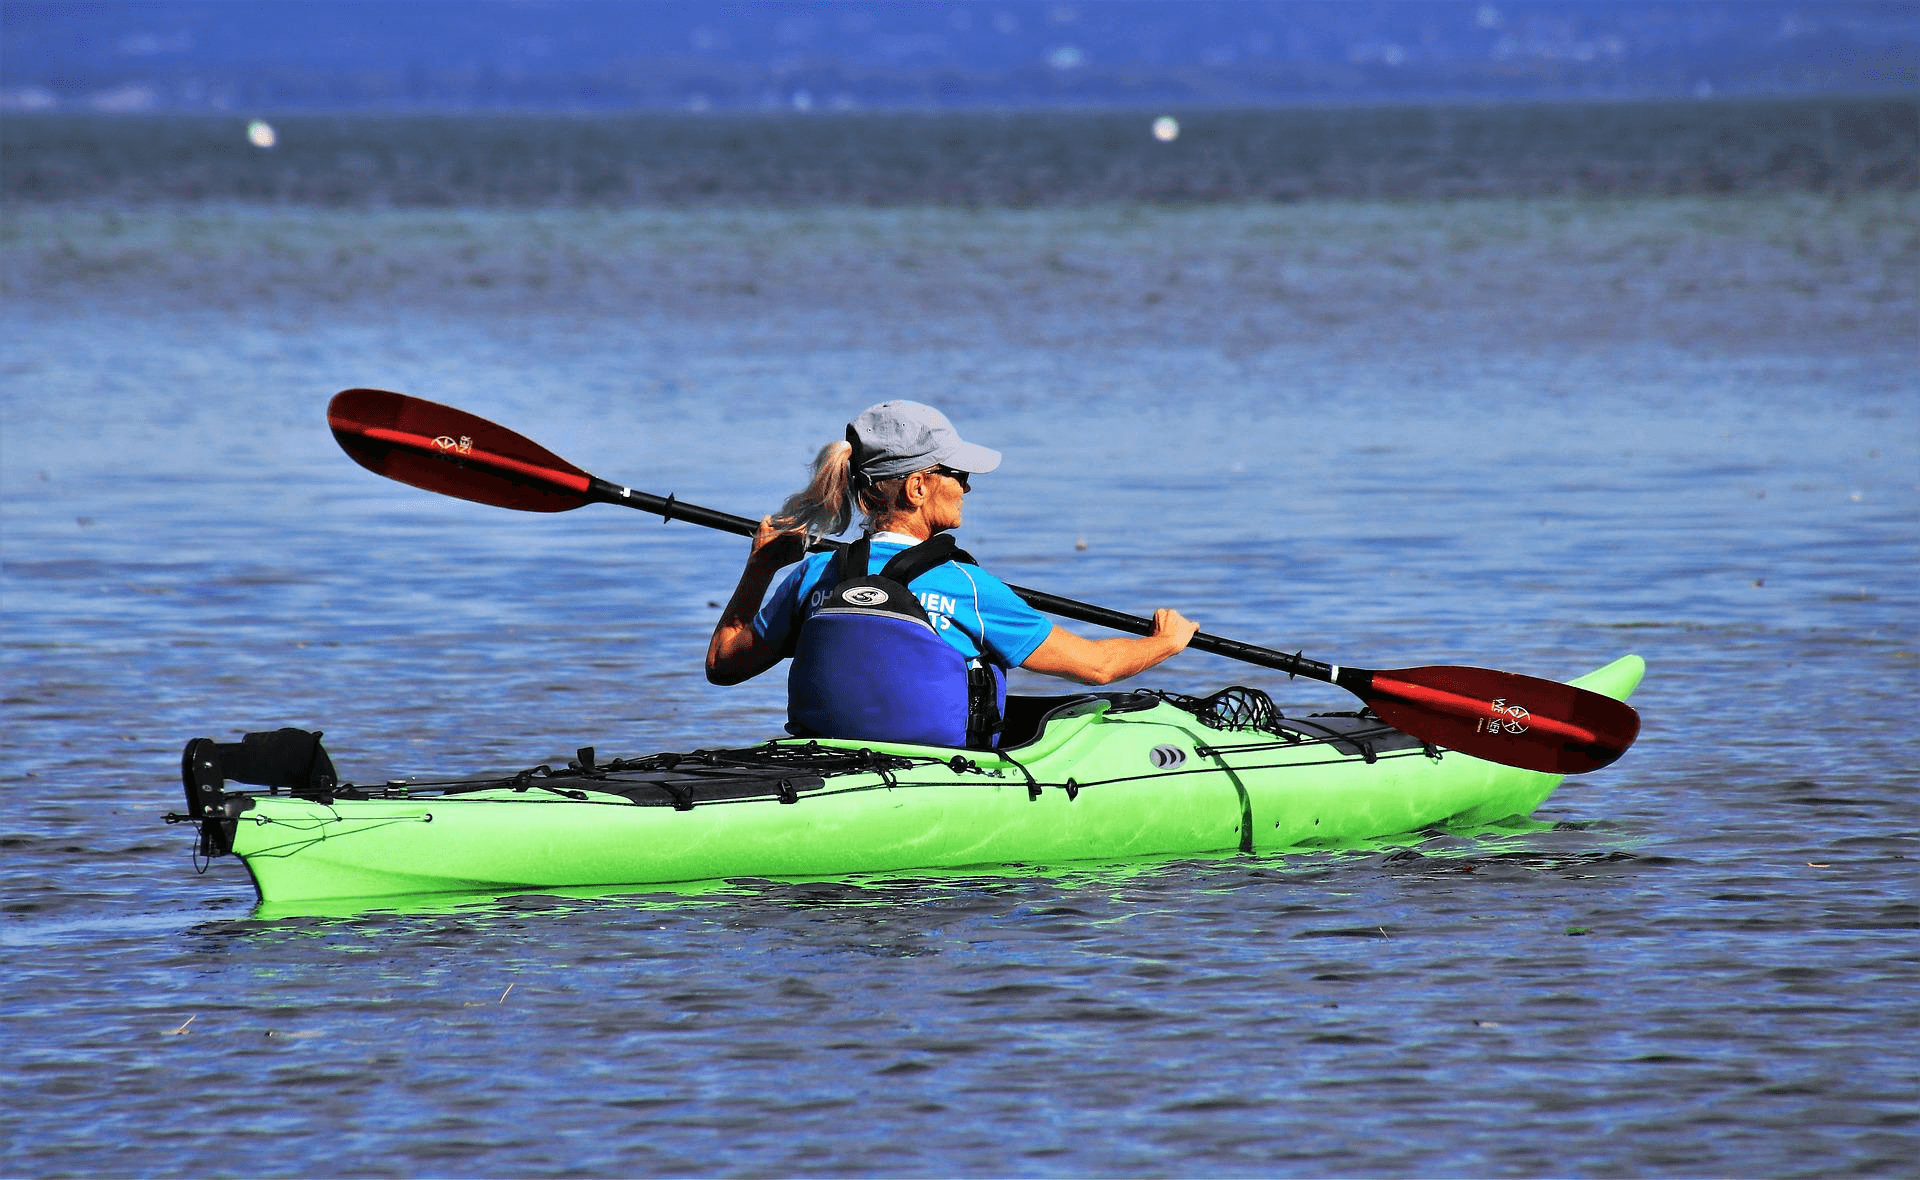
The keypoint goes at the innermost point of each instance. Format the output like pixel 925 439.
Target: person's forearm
pixel 1103 661
pixel 729 652
pixel 1123 656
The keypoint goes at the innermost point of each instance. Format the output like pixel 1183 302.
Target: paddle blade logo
pixel 1167 757
pixel 462 445
pixel 1513 719
pixel 865 596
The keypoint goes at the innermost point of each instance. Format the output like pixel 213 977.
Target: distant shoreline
pixel 1013 159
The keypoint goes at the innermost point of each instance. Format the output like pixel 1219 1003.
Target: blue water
pixel 1572 432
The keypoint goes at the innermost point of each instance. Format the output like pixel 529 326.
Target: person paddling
pixel 904 638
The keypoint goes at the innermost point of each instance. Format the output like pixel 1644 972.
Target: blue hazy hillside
pixel 130 55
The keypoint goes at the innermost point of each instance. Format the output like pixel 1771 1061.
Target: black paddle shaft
pixel 671 509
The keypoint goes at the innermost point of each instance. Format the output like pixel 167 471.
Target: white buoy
pixel 1166 129
pixel 260 134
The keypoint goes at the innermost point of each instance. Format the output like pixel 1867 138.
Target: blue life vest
pixel 869 665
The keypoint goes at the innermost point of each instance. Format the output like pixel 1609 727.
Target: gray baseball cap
pixel 901 437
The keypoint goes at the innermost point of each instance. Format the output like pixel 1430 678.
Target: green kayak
pixel 1100 776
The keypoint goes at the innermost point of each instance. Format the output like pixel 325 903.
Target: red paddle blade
pixel 453 452
pixel 1502 717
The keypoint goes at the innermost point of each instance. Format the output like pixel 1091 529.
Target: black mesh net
pixel 1233 707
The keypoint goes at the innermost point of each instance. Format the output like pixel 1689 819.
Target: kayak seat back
pixel 282 759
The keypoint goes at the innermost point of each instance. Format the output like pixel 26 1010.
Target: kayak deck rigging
pixel 787 769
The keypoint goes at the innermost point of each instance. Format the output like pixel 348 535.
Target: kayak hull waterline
pixel 1102 777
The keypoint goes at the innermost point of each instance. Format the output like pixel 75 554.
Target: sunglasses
pixel 959 477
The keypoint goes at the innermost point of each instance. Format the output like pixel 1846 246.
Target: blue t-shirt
pixel 970 608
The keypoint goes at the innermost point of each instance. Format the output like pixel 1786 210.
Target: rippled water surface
pixel 1527 435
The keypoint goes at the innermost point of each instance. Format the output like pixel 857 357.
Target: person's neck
pixel 914 530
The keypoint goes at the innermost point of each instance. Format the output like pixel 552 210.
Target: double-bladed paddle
pixel 1503 717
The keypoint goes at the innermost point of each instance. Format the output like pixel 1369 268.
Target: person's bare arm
pixel 1103 661
pixel 736 652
